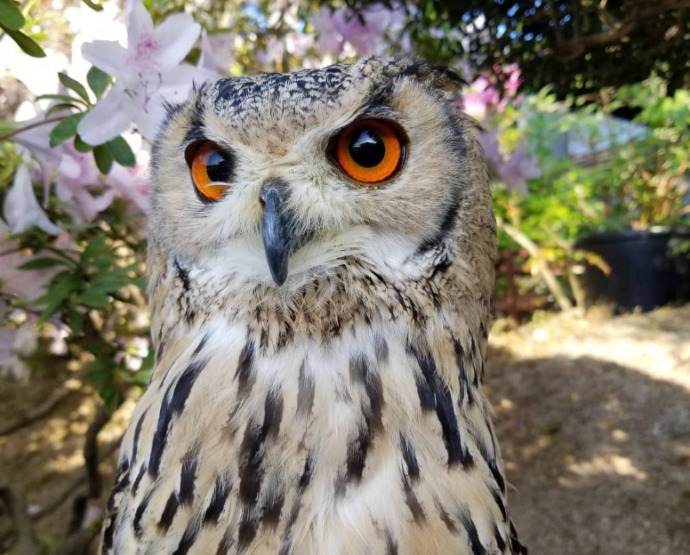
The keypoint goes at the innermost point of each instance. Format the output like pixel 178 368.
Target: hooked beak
pixel 275 229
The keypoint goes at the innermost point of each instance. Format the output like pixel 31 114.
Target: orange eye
pixel 212 169
pixel 370 151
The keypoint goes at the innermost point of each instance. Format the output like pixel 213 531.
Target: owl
pixel 321 262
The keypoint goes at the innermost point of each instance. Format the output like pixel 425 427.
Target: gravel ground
pixel 593 415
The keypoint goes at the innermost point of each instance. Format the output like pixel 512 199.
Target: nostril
pixel 263 203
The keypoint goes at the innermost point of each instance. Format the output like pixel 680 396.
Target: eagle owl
pixel 321 265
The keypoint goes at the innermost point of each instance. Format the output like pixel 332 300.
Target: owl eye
pixel 212 169
pixel 370 151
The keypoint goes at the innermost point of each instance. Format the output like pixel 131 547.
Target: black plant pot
pixel 644 273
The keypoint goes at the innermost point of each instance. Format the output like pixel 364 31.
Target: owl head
pixel 277 179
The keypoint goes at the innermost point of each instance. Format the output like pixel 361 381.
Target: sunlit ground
pixel 593 416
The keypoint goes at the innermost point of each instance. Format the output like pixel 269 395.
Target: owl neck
pixel 184 297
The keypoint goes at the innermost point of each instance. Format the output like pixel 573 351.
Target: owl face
pixel 278 178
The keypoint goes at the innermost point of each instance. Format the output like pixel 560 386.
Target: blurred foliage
pixel 572 46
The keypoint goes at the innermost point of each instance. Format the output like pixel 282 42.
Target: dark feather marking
pixel 501 505
pixel 221 490
pixel 252 448
pixel 139 513
pixel 109 532
pixel 121 483
pixel 137 480
pixel 391 546
pixel 410 458
pixel 183 276
pixel 247 531
pixel 357 455
pixel 169 512
pixel 381 349
pixel 306 473
pixel 362 372
pixel 121 480
pixel 137 433
pixel 515 546
pixel 188 538
pixel 412 501
pixel 500 542
pixel 305 393
pixel 493 467
pixel 446 226
pixel 245 369
pixel 273 510
pixel 201 344
pixel 160 349
pixel 173 404
pixel 465 389
pixel 434 391
pixel 472 535
pixel 225 543
pixel 446 518
pixel 187 477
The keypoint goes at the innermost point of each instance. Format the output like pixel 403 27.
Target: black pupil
pixel 367 149
pixel 218 166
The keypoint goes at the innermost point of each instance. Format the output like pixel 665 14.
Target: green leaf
pixel 109 286
pixel 121 152
pixel 41 263
pixel 27 44
pixel 63 97
pixel 75 85
pixel 59 108
pixel 94 299
pixel 75 321
pixel 81 146
pixel 65 129
pixel 97 80
pixel 103 157
pixel 94 247
pixel 10 15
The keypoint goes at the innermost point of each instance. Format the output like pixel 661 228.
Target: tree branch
pixel 12 496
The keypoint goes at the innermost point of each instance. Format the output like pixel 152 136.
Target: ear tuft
pixel 441 77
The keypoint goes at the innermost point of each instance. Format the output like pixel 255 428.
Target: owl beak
pixel 275 230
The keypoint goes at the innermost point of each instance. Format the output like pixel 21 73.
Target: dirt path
pixel 594 423
pixel 593 419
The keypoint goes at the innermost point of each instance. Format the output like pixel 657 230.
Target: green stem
pixel 30 126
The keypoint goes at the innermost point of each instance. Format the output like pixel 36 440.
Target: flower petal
pixel 107 119
pixel 21 210
pixel 174 38
pixel 106 55
pixel 139 23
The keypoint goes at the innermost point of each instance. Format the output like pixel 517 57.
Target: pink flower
pixel 77 175
pixel 148 72
pixel 513 172
pixel 215 52
pixel 368 35
pixel 520 167
pixel 21 209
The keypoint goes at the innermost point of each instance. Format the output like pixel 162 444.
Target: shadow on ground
pixel 598 453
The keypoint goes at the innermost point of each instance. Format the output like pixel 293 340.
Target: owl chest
pixel 313 443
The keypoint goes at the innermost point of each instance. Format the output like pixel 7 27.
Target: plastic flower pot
pixel 645 272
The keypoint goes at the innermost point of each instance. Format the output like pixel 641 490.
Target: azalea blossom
pixel 21 210
pixel 79 185
pixel 148 73
pixel 513 172
pixel 343 26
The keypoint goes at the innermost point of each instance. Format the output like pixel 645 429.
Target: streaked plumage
pixel 341 412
